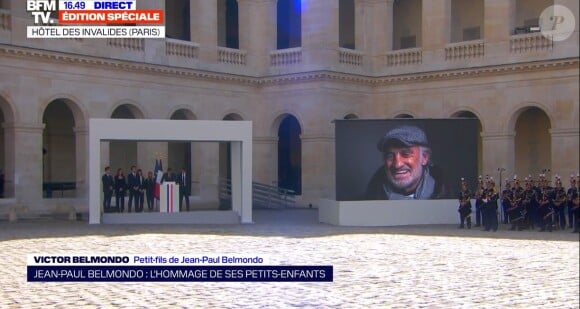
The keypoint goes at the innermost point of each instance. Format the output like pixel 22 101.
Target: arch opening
pixel 59 153
pixel 533 143
pixel 290 154
pixel 404 116
pixel 468 114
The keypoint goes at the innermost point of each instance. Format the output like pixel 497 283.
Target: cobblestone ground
pixel 402 267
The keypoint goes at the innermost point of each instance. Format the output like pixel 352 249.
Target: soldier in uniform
pixel 479 195
pixel 570 196
pixel 506 201
pixel 464 205
pixel 576 210
pixel 559 201
pixel 529 204
pixel 490 207
pixel 545 209
pixel 511 202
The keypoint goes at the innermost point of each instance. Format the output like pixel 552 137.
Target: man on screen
pixel 405 173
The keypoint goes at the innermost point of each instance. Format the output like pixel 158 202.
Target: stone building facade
pixel 291 67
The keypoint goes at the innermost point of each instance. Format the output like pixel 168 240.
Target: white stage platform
pixel 189 217
pixel 237 133
pixel 389 213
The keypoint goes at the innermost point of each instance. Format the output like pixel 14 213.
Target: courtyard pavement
pixel 434 266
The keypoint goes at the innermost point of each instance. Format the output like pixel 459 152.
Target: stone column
pixel 196 165
pixel 257 30
pixel 27 141
pixel 82 161
pixel 203 30
pixel 565 151
pixel 374 30
pixel 265 159
pixel 106 155
pixel 9 156
pixel 320 33
pixel 318 168
pixel 498 24
pixel 498 151
pixel 436 29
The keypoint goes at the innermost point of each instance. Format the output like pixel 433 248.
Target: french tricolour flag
pixel 158 172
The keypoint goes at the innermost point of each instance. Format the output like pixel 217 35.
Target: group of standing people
pixel 541 205
pixel 534 205
pixel 486 197
pixel 139 189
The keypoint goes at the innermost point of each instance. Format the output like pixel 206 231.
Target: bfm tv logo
pixel 41 10
pixel 557 23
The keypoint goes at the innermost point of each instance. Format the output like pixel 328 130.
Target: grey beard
pixel 424 190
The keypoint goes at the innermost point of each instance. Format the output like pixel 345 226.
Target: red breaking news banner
pixel 88 17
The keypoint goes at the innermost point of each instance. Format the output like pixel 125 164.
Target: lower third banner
pixel 179 273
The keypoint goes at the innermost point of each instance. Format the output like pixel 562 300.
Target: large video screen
pixel 399 159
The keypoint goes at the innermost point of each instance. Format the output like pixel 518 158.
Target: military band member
pixel 545 211
pixel 490 207
pixel 576 210
pixel 530 205
pixel 559 201
pixel 517 210
pixel 506 201
pixel 517 190
pixel 572 191
pixel 479 195
pixel 464 205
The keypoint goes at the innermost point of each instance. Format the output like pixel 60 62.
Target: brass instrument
pixel 560 198
pixel 572 193
pixel 576 202
pixel 464 200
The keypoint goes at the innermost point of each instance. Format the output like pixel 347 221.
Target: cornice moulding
pixel 268 80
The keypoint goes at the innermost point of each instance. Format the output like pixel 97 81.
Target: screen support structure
pixel 238 133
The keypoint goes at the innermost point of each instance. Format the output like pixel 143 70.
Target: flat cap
pixel 406 135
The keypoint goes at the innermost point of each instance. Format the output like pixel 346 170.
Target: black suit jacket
pixel 168 177
pixel 132 182
pixel 183 184
pixel 108 183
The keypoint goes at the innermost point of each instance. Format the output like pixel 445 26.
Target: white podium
pixel 169 197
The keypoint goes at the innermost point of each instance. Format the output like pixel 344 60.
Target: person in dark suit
pixel 120 190
pixel 133 187
pixel 108 183
pixel 140 192
pixel 169 176
pixel 149 184
pixel 183 189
